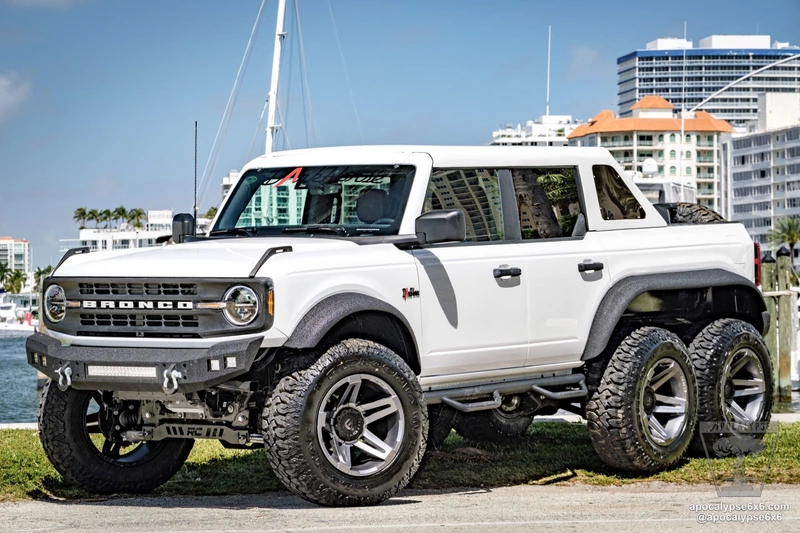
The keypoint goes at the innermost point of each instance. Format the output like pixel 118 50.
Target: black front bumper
pixel 141 369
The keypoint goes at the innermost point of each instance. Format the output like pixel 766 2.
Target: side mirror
pixel 444 225
pixel 182 227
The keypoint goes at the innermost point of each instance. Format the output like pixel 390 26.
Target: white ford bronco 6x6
pixel 351 306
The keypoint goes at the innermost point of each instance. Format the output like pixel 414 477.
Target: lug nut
pixel 241 418
pixel 148 415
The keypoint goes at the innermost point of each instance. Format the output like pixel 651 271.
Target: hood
pixel 219 258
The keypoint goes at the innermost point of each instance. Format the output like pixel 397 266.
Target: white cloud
pixel 14 90
pixel 43 3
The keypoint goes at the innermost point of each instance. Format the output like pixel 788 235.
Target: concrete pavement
pixel 637 507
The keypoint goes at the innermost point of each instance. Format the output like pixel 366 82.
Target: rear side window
pixel 616 199
pixel 474 191
pixel 548 202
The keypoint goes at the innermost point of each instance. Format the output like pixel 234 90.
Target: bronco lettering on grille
pixel 113 304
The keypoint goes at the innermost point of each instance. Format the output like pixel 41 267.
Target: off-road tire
pixel 492 425
pixel 290 428
pixel 708 351
pixel 689 213
pixel 612 409
pixel 441 419
pixel 62 431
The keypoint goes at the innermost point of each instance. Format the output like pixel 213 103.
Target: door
pixel 564 263
pixel 473 294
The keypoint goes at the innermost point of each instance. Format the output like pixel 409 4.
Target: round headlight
pixel 241 305
pixel 55 303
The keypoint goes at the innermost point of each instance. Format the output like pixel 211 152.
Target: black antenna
pixel 195 177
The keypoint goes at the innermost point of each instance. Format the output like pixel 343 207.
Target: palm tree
pixel 106 216
pixel 15 281
pixel 786 231
pixel 211 213
pixel 135 217
pixel 93 216
pixel 80 216
pixel 5 271
pixel 120 214
pixel 39 275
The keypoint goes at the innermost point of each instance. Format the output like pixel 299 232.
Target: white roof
pixel 450 156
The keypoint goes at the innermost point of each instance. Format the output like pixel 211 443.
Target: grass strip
pixel 549 453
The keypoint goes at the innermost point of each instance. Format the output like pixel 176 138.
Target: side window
pixel 474 191
pixel 548 201
pixel 616 199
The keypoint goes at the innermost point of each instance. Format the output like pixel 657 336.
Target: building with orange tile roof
pixel 654 131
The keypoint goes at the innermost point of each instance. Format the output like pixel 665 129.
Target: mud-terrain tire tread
pixel 283 415
pixel 80 466
pixel 689 213
pixel 610 410
pixel 708 350
pixel 491 426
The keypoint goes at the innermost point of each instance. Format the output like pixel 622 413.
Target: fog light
pixel 230 362
pixel 36 358
pixel 213 365
pixel 44 361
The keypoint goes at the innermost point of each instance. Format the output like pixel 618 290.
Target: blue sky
pixel 98 98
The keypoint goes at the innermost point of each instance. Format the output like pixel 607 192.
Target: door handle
pixel 587 267
pixel 507 272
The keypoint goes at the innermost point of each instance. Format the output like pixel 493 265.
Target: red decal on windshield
pixel 294 174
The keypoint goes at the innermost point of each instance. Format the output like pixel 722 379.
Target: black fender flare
pixel 326 313
pixel 624 291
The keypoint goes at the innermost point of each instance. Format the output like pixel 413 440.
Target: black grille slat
pixel 137 320
pixel 138 289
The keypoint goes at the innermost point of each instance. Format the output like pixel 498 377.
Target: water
pixel 19 399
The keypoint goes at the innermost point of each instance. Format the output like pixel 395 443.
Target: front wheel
pixel 643 412
pixel 77 437
pixel 349 430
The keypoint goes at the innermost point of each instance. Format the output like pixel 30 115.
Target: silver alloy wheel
pixel 361 425
pixel 663 402
pixel 742 388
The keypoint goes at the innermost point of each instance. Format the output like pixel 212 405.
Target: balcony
pixel 624 159
pixel 706 144
pixel 644 143
pixel 705 159
pixel 705 175
pixel 617 144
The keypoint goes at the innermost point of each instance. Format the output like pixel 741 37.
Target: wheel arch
pixel 354 315
pixel 680 301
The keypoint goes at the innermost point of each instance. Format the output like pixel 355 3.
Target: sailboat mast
pixel 547 103
pixel 272 125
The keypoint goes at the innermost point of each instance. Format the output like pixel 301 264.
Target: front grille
pixel 139 289
pixel 139 320
pixel 117 308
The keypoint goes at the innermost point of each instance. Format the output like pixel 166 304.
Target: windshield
pixel 353 200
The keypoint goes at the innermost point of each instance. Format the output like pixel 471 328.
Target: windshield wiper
pixel 335 230
pixel 249 232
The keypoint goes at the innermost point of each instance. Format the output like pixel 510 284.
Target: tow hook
pixel 174 376
pixel 64 372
